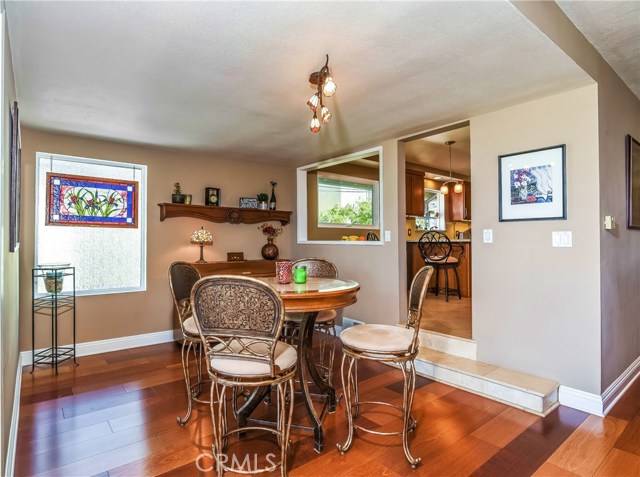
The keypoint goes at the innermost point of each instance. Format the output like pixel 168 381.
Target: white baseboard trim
pixel 113 344
pixel 620 385
pixel 13 430
pixel 580 400
pixel 600 405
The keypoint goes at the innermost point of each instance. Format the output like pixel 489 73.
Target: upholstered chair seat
pixel 190 328
pixel 325 316
pixel 378 338
pixel 284 360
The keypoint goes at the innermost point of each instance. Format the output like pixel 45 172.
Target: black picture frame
pixel 248 203
pixel 212 196
pixel 532 185
pixel 14 179
pixel 632 153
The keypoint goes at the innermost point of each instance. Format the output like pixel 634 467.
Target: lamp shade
pixel 444 189
pixel 325 115
pixel 313 102
pixel 315 124
pixel 202 237
pixel 457 188
pixel 329 87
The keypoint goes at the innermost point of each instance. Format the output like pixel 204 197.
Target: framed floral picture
pixel 532 185
pixel 91 201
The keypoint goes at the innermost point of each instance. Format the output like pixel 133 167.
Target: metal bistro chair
pixel 240 320
pixel 436 250
pixel 325 321
pixel 182 277
pixel 387 344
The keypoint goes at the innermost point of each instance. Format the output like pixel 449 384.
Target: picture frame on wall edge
pixel 211 196
pixel 632 152
pixel 532 185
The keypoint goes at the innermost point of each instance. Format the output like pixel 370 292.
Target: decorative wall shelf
pixel 232 215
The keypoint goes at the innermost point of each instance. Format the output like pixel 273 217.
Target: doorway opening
pixel 438 192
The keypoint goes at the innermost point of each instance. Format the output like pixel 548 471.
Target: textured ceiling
pixel 613 28
pixel 231 78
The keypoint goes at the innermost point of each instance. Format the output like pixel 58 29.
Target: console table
pixel 249 268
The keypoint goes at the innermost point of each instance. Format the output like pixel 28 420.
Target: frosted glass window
pixel 107 259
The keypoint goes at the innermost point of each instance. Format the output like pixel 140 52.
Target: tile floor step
pixel 521 390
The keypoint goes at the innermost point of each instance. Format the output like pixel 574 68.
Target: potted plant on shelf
pixel 177 197
pixel 262 201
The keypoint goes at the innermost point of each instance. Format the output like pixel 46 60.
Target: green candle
pixel 300 274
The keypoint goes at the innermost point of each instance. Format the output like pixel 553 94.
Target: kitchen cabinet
pixel 460 203
pixel 414 192
pixel 461 250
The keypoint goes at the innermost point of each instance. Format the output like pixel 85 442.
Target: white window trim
pixel 142 216
pixel 301 181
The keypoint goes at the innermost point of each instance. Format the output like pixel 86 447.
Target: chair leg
pixel 186 349
pixel 409 387
pixel 455 271
pixel 446 283
pixel 285 397
pixel 437 274
pixel 219 422
pixel 350 393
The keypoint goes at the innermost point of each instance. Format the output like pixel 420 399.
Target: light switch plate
pixel 387 235
pixel 562 239
pixel 487 235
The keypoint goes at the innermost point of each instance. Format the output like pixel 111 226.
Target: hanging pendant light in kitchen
pixel 457 188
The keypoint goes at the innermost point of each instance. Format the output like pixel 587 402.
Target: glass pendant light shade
pixel 329 87
pixel 444 189
pixel 315 124
pixel 457 188
pixel 325 115
pixel 313 102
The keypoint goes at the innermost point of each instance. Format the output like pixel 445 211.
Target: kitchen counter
pixel 452 240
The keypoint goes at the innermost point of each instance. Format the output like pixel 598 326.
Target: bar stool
pixel 436 248
pixel 326 320
pixel 387 344
pixel 182 277
pixel 239 320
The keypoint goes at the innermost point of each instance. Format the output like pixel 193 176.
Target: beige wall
pixel 109 316
pixel 618 115
pixel 9 261
pixel 378 268
pixel 536 308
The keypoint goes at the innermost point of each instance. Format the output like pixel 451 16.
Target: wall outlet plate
pixel 487 235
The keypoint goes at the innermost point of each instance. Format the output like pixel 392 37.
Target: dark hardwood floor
pixel 115 415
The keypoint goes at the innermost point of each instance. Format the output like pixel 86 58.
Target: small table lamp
pixel 201 237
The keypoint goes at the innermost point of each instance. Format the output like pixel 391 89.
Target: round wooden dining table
pixel 309 298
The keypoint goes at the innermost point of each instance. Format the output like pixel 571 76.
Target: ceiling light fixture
pixel 456 188
pixel 326 87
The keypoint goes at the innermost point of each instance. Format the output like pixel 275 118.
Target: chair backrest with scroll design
pixel 417 295
pixel 435 247
pixel 238 318
pixel 318 267
pixel 182 277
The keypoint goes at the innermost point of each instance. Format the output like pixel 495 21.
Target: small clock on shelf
pixel 211 196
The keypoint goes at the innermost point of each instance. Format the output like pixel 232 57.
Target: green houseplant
pixel 177 197
pixel 262 200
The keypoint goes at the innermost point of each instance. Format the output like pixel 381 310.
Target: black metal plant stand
pixel 53 303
